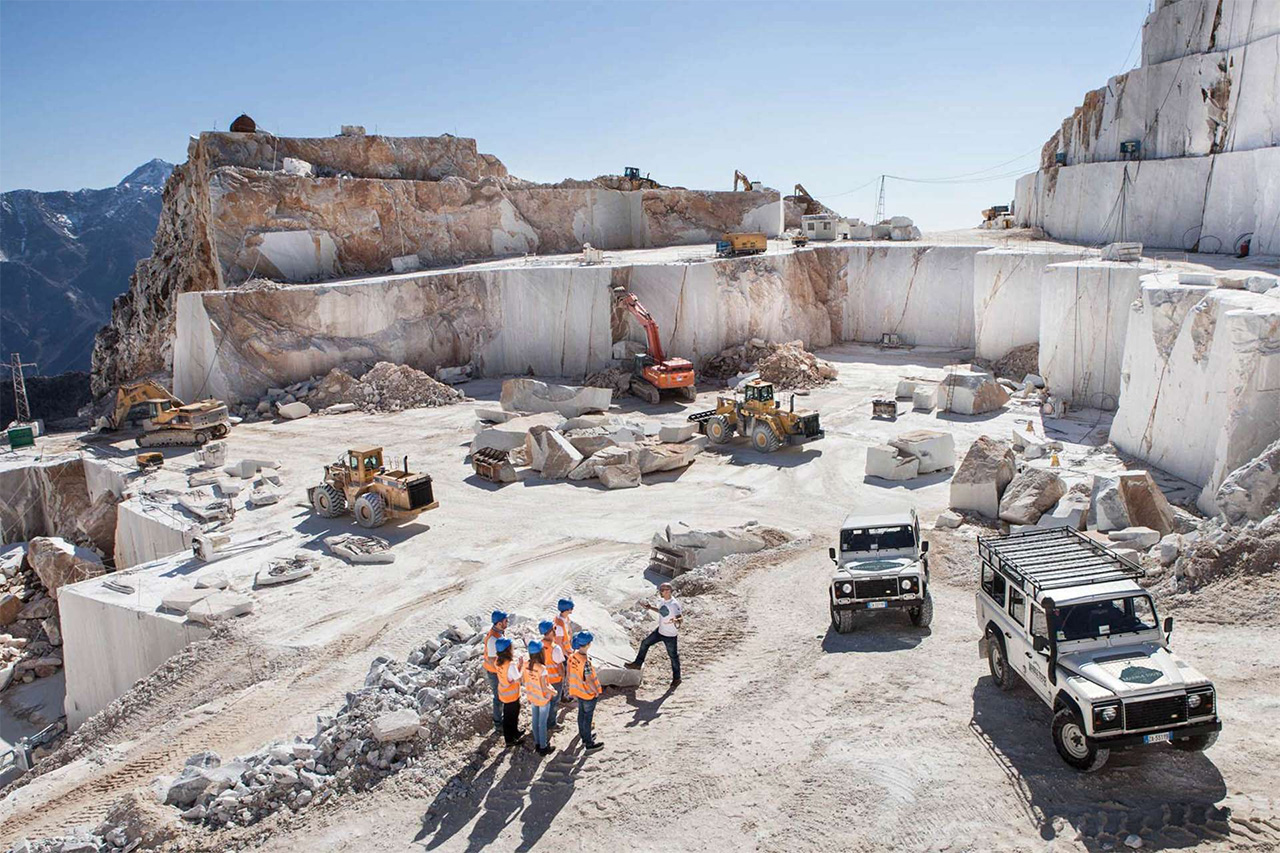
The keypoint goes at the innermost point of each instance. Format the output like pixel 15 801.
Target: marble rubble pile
pixel 787 365
pixel 679 548
pixel 404 712
pixel 384 387
pixel 556 444
pixel 30 630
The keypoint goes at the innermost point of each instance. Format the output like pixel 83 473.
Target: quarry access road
pixel 785 736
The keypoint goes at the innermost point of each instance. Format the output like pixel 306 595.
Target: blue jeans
pixel 540 716
pixel 673 651
pixel 497 703
pixel 586 713
pixel 557 691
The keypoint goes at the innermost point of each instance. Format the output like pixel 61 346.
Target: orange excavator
pixel 654 372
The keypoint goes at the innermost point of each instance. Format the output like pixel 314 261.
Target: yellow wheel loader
pixel 757 415
pixel 372 492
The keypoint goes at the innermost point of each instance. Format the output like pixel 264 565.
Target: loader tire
pixel 370 510
pixel 763 439
pixel 220 431
pixel 718 430
pixel 328 501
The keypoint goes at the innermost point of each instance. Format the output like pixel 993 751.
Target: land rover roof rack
pixel 1053 558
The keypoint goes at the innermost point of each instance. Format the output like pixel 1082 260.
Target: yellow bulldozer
pixel 757 415
pixel 373 493
pixel 166 420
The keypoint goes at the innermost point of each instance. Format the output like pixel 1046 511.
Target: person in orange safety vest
pixel 585 687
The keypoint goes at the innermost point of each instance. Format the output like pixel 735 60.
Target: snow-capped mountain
pixel 64 256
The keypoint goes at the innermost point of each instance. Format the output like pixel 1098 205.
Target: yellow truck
pixel 750 243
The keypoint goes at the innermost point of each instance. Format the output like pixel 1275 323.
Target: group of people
pixel 559 670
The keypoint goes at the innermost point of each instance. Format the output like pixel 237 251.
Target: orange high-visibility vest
pixel 555 674
pixel 583 683
pixel 564 634
pixel 490 663
pixel 508 690
pixel 535 685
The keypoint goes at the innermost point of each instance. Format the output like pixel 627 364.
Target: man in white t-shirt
pixel 670 615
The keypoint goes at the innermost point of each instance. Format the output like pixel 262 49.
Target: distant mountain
pixel 64 256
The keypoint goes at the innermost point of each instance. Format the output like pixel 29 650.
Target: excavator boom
pixel 656 373
pixel 134 393
pixel 650 326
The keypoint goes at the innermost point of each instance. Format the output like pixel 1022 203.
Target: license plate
pixel 1162 737
pixel 876 605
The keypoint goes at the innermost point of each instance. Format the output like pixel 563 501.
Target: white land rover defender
pixel 882 564
pixel 1067 615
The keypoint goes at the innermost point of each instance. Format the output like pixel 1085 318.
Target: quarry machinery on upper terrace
pixel 166 420
pixel 360 481
pixel 655 372
pixel 757 415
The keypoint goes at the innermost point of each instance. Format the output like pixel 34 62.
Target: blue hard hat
pixel 502 644
pixel 497 616
pixel 582 638
pixel 545 625
pixel 535 647
pixel 565 604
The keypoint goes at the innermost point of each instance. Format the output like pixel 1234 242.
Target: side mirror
pixel 831 552
pixel 1040 644
pixel 1168 625
pixel 924 547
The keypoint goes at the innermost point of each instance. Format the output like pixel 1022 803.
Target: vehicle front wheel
pixel 998 661
pixel 1073 745
pixel 328 501
pixel 843 621
pixel 370 510
pixel 718 429
pixel 921 616
pixel 1198 743
pixel 763 439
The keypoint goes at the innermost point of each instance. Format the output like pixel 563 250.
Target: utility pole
pixel 879 205
pixel 20 387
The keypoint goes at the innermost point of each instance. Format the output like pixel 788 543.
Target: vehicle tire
pixel 1199 743
pixel 220 431
pixel 998 661
pixel 763 439
pixel 202 437
pixel 328 501
pixel 1074 747
pixel 843 621
pixel 689 392
pixel 370 510
pixel 718 429
pixel 921 616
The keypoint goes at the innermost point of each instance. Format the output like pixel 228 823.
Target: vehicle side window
pixel 1039 625
pixel 1017 606
pixel 993 583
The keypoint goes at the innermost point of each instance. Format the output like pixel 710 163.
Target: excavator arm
pixel 650 326
pixel 739 178
pixel 134 393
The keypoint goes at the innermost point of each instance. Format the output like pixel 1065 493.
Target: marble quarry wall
pixel 1084 315
pixel 1007 285
pixel 57 496
pixel 558 320
pixel 1200 389
pixel 1204 106
pixel 349 205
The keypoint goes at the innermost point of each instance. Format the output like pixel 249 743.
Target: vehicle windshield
pixel 877 539
pixel 1090 620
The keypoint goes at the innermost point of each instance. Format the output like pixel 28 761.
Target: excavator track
pixel 175 438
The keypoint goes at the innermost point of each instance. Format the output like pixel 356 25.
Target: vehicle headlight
pixel 847 588
pixel 1106 717
pixel 908 584
pixel 1109 713
pixel 1193 701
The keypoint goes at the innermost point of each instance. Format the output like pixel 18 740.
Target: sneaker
pixel 545 750
pixel 632 665
pixel 594 745
pixel 519 740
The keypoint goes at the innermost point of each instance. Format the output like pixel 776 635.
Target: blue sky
pixel 826 94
